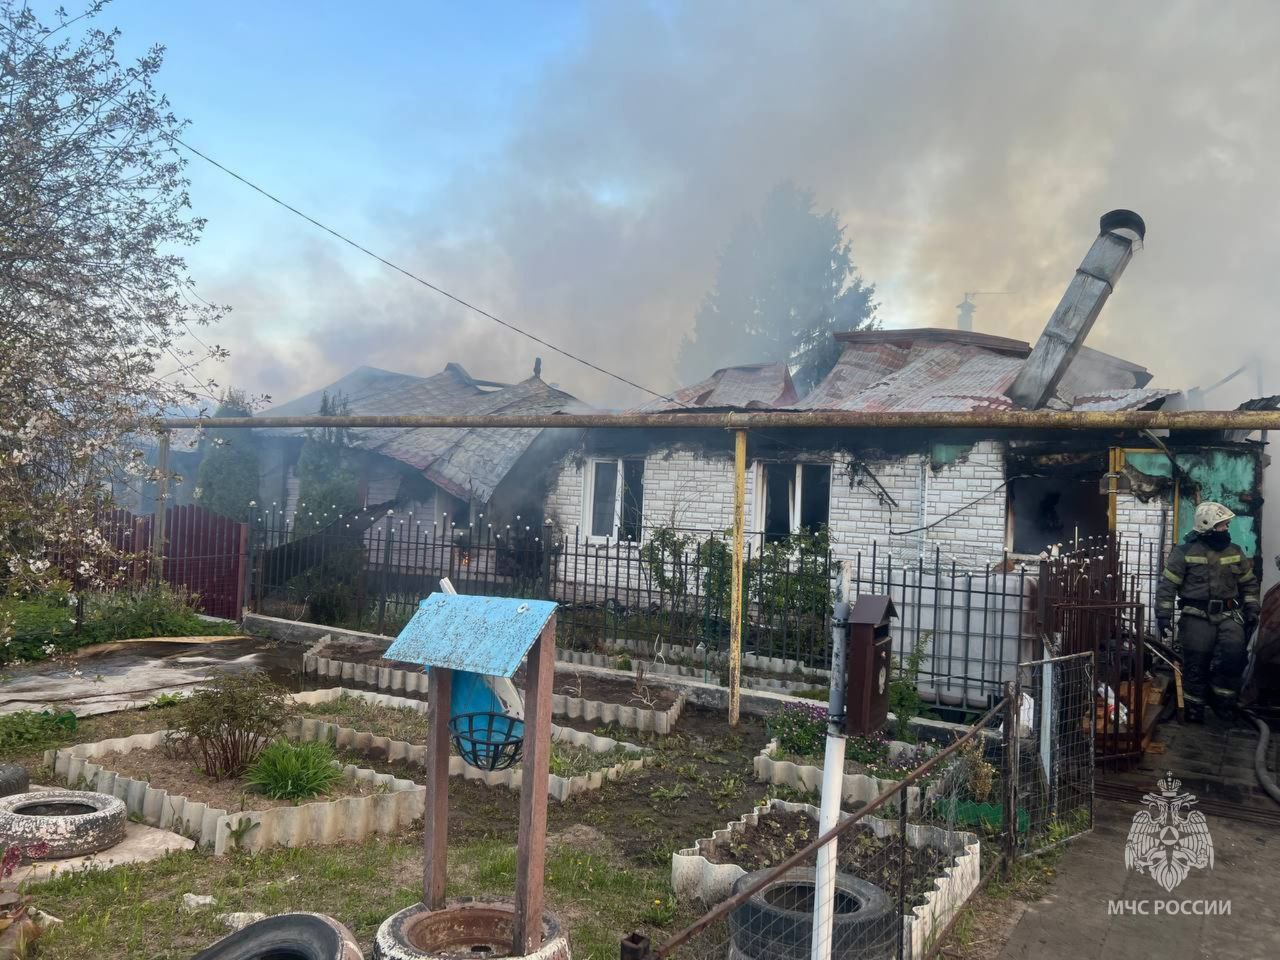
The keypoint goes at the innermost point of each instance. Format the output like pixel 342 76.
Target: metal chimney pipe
pixel 1075 315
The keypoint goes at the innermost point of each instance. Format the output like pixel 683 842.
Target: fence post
pixel 382 581
pixel 251 559
pixel 1009 815
pixel 160 509
pixel 546 558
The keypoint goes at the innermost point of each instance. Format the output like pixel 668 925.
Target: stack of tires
pixel 776 923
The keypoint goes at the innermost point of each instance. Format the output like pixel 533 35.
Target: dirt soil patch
pixel 649 695
pixel 182 777
pixel 398 723
pixel 884 861
pixel 363 651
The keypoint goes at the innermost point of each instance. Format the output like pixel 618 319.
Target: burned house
pixel 973 500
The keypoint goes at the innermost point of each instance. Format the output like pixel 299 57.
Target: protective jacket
pixel 1208 583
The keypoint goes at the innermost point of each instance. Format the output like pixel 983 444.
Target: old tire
pixel 417 933
pixel 289 936
pixel 13 779
pixel 777 921
pixel 72 823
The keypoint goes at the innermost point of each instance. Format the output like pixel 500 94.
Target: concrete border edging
pixel 693 875
pixel 324 821
pixel 858 788
pixel 394 680
pixel 559 788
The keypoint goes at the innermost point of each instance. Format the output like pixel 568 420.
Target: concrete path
pixel 1074 920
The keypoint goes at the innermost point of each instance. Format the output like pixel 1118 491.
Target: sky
pixel 576 167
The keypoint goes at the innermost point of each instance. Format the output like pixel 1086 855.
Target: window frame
pixel 619 492
pixel 795 505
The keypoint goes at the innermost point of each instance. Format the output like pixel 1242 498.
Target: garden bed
pixel 943 866
pixel 580 762
pixel 379 803
pixel 597 699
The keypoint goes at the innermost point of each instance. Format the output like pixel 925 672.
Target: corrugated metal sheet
pixel 485 635
pixel 751 386
pixel 931 370
pixel 466 463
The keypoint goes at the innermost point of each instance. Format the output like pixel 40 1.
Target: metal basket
pixel 489 741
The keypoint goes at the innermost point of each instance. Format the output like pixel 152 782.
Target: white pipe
pixel 824 874
pixel 824 878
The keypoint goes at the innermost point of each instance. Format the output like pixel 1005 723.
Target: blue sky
pixel 346 112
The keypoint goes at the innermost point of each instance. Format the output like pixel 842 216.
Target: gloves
pixel 1164 626
pixel 1250 622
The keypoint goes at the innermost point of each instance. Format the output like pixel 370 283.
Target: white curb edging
pixel 395 681
pixel 347 818
pixel 558 788
pixel 694 876
pixel 858 788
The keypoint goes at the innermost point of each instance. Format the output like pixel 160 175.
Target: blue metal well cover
pixel 487 635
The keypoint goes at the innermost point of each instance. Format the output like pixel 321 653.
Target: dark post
pixel 635 946
pixel 251 557
pixel 382 581
pixel 435 815
pixel 531 843
pixel 904 794
pixel 1009 815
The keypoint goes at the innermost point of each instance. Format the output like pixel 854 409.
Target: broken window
pixel 1059 504
pixel 615 498
pixel 792 497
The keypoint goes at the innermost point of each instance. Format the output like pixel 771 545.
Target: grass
pixel 398 723
pixel 133 911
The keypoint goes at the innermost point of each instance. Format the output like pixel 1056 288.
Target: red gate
pixel 204 553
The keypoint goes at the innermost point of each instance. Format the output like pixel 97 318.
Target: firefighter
pixel 1216 589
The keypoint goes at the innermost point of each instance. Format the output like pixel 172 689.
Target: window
pixel 615 498
pixel 791 497
pixel 1055 508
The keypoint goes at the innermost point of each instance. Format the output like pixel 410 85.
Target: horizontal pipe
pixel 1247 420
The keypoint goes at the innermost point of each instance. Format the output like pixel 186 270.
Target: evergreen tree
pixel 327 481
pixel 228 475
pixel 786 282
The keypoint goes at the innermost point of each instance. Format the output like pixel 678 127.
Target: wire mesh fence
pixel 899 870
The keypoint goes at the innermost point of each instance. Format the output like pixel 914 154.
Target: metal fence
pixel 1017 781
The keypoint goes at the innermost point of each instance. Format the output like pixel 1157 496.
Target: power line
pixel 417 279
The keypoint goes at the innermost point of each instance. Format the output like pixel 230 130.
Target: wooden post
pixel 435 816
pixel 531 845
pixel 161 507
pixel 1009 813
pixel 735 601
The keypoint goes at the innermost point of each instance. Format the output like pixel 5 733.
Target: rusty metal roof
pixel 751 386
pixel 486 635
pixel 953 370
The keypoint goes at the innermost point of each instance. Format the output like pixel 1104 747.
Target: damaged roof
pixel 958 370
pixel 466 463
pixel 751 386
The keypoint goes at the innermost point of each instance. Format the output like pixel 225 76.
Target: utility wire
pixel 417 279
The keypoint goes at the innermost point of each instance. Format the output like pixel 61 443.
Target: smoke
pixel 966 147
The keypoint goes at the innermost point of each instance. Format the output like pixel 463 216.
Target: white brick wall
pixel 1139 524
pixel 685 488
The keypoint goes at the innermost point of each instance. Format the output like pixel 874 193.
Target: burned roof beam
pixel 1199 420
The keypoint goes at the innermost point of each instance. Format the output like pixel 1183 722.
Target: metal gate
pixel 1086 607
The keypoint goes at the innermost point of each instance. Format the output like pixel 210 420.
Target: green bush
pixel 28 730
pixel 228 722
pixel 287 771
pixel 44 625
pixel 800 729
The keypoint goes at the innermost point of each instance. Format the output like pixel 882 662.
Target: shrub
pixel 287 771
pixel 904 694
pixel 800 729
pixel 227 723
pixel 28 730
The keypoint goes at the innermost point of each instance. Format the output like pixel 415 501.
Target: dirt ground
pixel 182 777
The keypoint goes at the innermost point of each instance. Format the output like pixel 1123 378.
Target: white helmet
pixel 1209 515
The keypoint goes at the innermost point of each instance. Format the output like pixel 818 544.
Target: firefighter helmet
pixel 1209 515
